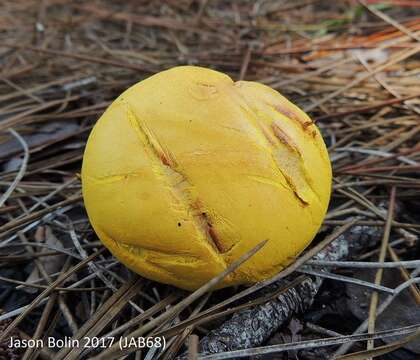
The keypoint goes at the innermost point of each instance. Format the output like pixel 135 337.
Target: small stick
pixel 193 347
pixel 378 278
pixel 245 63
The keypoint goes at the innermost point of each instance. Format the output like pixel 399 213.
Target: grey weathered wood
pixel 251 327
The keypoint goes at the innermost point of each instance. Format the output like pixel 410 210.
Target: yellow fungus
pixel 188 170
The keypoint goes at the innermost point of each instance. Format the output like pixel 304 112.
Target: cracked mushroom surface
pixel 188 170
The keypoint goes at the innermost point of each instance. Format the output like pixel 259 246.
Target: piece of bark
pixel 252 327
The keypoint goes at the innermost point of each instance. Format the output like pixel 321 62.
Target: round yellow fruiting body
pixel 187 170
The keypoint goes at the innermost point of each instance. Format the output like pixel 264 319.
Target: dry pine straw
pixel 351 65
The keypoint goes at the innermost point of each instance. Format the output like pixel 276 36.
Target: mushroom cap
pixel 187 170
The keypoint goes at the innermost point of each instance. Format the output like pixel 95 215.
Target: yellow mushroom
pixel 188 170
